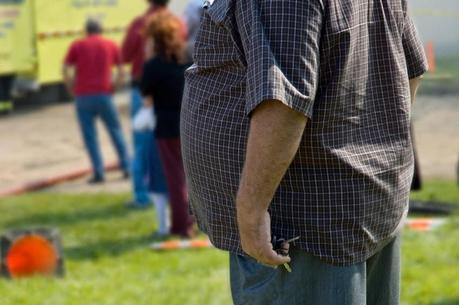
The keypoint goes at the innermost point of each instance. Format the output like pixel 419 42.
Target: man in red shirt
pixel 147 174
pixel 92 59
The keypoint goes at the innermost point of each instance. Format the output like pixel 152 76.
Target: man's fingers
pixel 274 259
pixel 267 256
pixel 285 247
pixel 256 238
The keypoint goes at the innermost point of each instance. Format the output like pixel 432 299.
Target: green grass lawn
pixel 108 260
pixel 445 79
pixel 449 65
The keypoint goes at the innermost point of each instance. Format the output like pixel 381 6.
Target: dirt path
pixel 436 125
pixel 45 141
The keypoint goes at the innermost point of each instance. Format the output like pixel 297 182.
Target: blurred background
pixel 44 168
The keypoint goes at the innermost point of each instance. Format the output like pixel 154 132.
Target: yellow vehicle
pixel 35 35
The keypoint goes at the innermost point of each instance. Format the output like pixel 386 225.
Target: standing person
pixel 296 123
pixel 92 58
pixel 146 167
pixel 162 85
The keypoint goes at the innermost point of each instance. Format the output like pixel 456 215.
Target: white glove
pixel 144 119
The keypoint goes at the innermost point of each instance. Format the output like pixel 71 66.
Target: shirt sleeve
pixel 131 43
pixel 281 40
pixel 72 55
pixel 416 60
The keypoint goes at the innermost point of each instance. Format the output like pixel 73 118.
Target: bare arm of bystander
pixel 148 101
pixel 120 76
pixel 414 85
pixel 68 75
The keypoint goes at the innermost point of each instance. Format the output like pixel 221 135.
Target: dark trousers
pixel 171 158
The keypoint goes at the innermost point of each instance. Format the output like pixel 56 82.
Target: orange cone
pixel 30 255
pixel 29 252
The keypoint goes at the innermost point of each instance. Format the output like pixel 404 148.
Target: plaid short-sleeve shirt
pixel 346 65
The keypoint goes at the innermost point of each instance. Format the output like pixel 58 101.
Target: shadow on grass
pixel 70 217
pixel 448 302
pixel 108 248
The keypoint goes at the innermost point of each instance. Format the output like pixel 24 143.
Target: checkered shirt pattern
pixel 346 65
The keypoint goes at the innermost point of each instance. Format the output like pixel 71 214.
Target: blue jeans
pixel 147 173
pixel 156 178
pixel 312 282
pixel 88 109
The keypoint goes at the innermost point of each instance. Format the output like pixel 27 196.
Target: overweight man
pixel 296 123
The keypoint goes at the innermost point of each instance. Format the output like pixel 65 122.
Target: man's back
pixel 345 65
pixel 93 58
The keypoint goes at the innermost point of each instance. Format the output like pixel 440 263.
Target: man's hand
pixel 120 77
pixel 68 78
pixel 255 234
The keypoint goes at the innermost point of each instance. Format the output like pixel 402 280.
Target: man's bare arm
pixel 274 137
pixel 120 76
pixel 68 77
pixel 414 85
